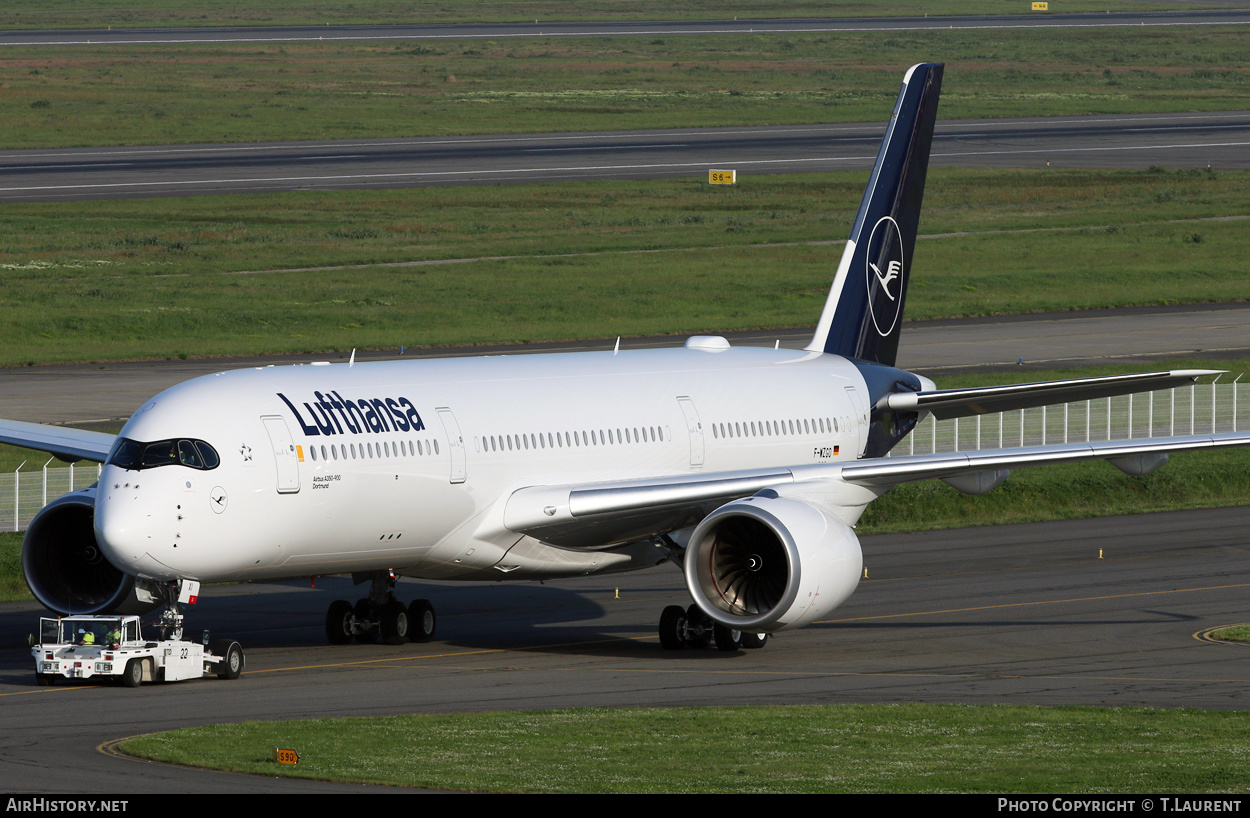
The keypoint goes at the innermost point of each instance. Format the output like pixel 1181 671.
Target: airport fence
pixel 1206 408
pixel 25 491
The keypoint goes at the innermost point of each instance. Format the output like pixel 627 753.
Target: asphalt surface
pixel 1020 614
pixel 540 28
pixel 1220 140
pixel 1143 339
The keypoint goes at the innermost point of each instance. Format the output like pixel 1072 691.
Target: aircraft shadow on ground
pixel 1140 618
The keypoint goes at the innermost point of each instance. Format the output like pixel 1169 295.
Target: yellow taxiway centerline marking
pixel 1030 604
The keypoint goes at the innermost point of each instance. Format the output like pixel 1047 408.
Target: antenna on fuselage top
pixel 352 359
pixel 617 348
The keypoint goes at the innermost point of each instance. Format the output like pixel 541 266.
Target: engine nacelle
pixel 65 568
pixel 768 563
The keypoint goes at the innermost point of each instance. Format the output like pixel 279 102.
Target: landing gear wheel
pixel 673 628
pixel 339 622
pixel 754 641
pixel 231 665
pixel 421 620
pixel 395 623
pixel 133 677
pixel 727 639
pixel 698 628
pixel 366 624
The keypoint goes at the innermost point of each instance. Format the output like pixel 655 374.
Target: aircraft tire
pixel 754 641
pixel 421 621
pixel 366 623
pixel 395 623
pixel 339 622
pixel 673 628
pixel 727 639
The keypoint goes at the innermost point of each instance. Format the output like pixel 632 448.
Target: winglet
pixel 864 311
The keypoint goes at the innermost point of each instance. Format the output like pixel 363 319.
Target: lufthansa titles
pixel 332 414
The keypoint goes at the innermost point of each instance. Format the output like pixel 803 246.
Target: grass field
pixel 157 94
pixel 1233 633
pixel 12 585
pixel 153 13
pixel 911 748
pixel 147 278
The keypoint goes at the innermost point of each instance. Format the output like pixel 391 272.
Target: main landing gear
pixel 380 616
pixel 691 628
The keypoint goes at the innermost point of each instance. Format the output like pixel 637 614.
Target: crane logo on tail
pixel 896 267
pixel 884 275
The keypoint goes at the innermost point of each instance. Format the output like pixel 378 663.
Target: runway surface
pixel 1142 339
pixel 539 28
pixel 1022 614
pixel 1186 140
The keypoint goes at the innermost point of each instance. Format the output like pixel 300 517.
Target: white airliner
pixel 747 467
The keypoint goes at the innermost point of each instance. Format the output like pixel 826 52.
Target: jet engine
pixel 767 563
pixel 65 568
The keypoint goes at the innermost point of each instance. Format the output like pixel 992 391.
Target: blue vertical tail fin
pixel 864 312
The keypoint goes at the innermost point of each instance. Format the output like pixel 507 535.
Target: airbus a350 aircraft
pixel 747 467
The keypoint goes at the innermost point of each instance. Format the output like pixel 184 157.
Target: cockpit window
pixel 159 454
pixel 208 455
pixel 136 456
pixel 188 456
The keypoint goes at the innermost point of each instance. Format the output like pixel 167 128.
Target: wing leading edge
pixel 63 442
pixel 599 514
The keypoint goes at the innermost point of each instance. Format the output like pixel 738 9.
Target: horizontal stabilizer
pixel 62 441
pixel 959 403
pixel 888 471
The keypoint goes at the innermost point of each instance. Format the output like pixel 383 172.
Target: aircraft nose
pixel 126 531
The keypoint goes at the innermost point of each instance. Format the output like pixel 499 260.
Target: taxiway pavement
pixel 1194 140
pixel 544 28
pixel 1143 338
pixel 1097 612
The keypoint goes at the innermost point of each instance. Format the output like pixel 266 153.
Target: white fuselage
pixel 407 465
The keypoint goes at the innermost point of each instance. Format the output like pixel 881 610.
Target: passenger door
pixel 455 445
pixel 284 454
pixel 694 430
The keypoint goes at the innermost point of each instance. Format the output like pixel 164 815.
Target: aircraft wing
pixel 958 403
pixel 64 442
pixel 591 515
